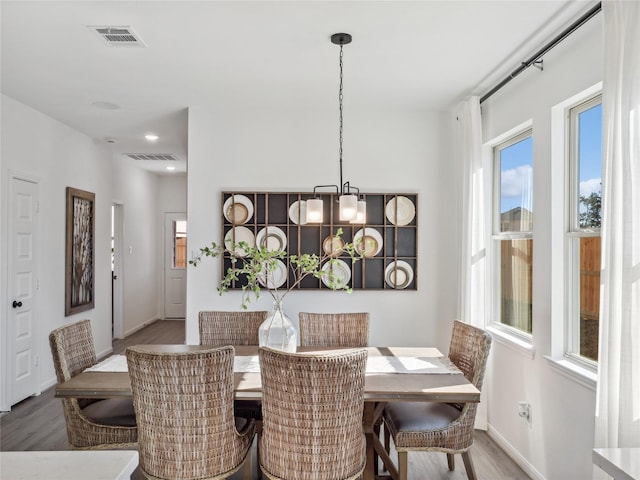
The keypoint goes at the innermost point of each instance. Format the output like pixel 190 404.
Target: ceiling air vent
pixel 118 36
pixel 151 156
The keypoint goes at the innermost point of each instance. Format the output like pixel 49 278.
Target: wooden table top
pixel 379 387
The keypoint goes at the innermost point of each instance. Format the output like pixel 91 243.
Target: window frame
pixel 574 233
pixel 497 237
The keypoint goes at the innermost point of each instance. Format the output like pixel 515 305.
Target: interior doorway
pixel 175 265
pixel 117 273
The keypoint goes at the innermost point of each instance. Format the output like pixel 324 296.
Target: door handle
pixel 16 304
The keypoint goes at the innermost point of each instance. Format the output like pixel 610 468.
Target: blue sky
pixel 516 164
pixel 516 172
pixel 590 148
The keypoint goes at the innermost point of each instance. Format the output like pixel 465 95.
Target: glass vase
pixel 277 331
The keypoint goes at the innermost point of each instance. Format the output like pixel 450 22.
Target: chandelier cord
pixel 341 121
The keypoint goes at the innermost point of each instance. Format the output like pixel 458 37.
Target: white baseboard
pixel 48 384
pixel 514 454
pixel 105 353
pixel 141 326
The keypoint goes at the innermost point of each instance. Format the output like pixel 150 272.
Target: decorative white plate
pixel 236 235
pixel 237 209
pixel 333 245
pixel 340 271
pixel 274 278
pixel 272 238
pixel 400 210
pixel 368 242
pixel 398 274
pixel 298 212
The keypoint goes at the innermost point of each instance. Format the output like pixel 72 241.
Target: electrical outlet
pixel 524 411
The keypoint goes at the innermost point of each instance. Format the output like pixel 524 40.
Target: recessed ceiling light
pixel 151 137
pixel 171 167
pixel 106 105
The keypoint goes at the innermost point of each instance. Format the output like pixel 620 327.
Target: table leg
pixel 373 411
pixel 367 423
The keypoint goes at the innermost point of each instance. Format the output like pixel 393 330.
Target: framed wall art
pixel 79 258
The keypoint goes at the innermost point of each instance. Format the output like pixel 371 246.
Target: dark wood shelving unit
pixel 400 242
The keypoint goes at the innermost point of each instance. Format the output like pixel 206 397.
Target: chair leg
pixel 403 466
pixel 246 469
pixel 468 465
pixel 258 453
pixel 451 461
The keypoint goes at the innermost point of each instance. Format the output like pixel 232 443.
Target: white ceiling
pixel 423 55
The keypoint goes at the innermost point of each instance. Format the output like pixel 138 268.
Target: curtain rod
pixel 536 56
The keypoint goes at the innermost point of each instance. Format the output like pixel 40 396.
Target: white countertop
pixel 69 465
pixel 620 463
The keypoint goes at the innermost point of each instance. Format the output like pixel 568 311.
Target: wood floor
pixel 37 423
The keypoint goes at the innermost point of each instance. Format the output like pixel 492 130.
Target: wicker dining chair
pixel 348 330
pixel 442 427
pixel 91 424
pixel 312 409
pixel 218 328
pixel 184 406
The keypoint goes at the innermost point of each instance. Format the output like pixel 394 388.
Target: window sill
pixel 517 344
pixel 575 372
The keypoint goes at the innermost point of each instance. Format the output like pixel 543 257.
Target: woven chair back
pixel 73 351
pixel 347 330
pixel 184 408
pixel 219 328
pixel 312 415
pixel 469 351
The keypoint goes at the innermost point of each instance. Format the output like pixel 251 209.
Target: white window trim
pixel 511 339
pixel 572 366
pixel 517 339
pixel 574 371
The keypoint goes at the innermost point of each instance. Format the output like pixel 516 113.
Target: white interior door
pixel 175 269
pixel 22 304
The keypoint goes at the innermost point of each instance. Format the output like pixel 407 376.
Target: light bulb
pixel 361 215
pixel 348 207
pixel 314 210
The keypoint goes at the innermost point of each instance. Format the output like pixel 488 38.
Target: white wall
pixel 38 146
pixel 172 193
pixel 137 190
pixel 557 445
pixel 172 198
pixel 58 156
pixel 276 150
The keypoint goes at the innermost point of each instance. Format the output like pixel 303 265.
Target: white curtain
pixel 618 396
pixel 474 235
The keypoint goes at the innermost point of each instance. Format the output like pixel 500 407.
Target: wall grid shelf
pixel 278 220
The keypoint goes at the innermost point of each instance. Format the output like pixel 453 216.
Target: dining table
pixel 394 374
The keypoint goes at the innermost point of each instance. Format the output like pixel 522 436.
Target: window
pixel 583 232
pixel 180 244
pixel 512 233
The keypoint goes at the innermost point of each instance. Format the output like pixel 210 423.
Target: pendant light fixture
pixel 352 208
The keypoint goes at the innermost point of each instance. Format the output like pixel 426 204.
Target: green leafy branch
pixel 258 263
